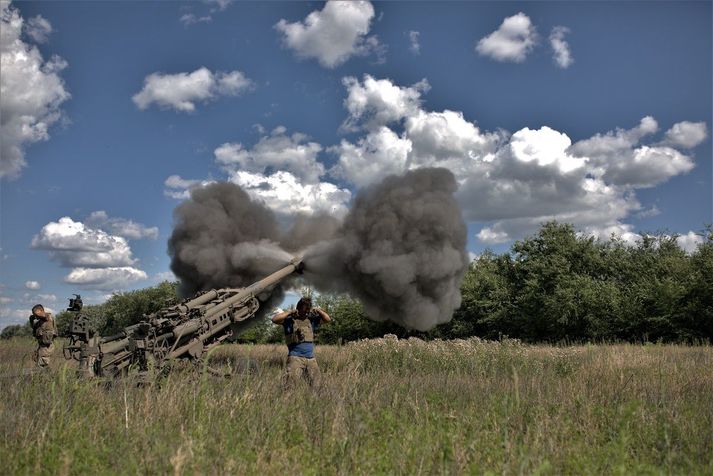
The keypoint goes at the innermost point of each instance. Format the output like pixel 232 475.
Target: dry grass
pixel 386 407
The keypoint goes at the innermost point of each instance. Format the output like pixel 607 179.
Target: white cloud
pixel 513 41
pixel 277 151
pixel 189 19
pixel 334 34
pixel 74 244
pixel 121 226
pixel 373 103
pixel 690 241
pixel 110 278
pixel 515 181
pixel 686 134
pixel 216 6
pixel 381 152
pixel 490 236
pixel 219 5
pixel 10 317
pixel 415 46
pixel 615 142
pixel 39 29
pixel 544 147
pixel 180 188
pixel 182 91
pixel 617 157
pixel 447 139
pixel 165 276
pixel 31 90
pixel 620 231
pixel 284 193
pixel 560 48
pixel 32 285
pixel 47 298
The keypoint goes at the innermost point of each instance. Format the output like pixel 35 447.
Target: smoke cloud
pixel 400 250
pixel 222 238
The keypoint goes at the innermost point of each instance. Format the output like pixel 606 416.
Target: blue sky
pixel 594 113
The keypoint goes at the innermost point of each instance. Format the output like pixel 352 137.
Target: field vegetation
pixel 385 407
pixel 556 286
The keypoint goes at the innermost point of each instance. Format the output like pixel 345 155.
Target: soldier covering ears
pixel 300 326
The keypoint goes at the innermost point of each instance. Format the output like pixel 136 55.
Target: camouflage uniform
pixel 44 330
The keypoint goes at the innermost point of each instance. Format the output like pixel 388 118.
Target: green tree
pixel 16 330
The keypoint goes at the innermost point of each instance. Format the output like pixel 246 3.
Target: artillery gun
pixel 185 331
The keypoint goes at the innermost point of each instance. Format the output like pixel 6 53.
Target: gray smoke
pixel 400 251
pixel 221 238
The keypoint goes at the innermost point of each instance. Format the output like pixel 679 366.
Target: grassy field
pixel 385 407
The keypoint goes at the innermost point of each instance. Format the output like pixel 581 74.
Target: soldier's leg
pixel 293 371
pixel 44 352
pixel 314 377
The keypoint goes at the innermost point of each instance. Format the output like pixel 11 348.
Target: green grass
pixel 386 407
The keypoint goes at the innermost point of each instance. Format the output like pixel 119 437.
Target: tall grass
pixel 385 407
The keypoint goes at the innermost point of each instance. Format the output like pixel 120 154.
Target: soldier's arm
pixel 280 317
pixel 325 317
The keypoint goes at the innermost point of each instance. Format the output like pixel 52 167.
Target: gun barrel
pixel 258 287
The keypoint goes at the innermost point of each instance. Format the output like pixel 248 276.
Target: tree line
pixel 555 286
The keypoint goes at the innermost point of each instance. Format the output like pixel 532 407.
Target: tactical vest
pixel 45 331
pixel 301 331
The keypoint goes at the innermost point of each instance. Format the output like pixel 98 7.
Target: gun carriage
pixel 184 331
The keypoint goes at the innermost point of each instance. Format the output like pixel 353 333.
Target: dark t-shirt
pixel 302 349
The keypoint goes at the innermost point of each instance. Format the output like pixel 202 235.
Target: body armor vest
pixel 301 331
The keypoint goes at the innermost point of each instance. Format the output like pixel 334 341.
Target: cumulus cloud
pixel 180 188
pixel 121 226
pixel 490 236
pixel 334 34
pixel 618 157
pixel 39 29
pixel 181 91
pixel 690 241
pixel 515 181
pixel 372 102
pixel 74 244
pixel 415 46
pixel 9 316
pixel 513 41
pixel 686 134
pixel 560 48
pixel 381 152
pixel 284 193
pixel 277 151
pixel 99 260
pixel 34 285
pixel 105 278
pixel 165 276
pixel 32 90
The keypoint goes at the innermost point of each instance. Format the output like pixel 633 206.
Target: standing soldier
pixel 300 326
pixel 44 330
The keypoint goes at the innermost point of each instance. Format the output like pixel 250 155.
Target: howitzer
pixel 183 331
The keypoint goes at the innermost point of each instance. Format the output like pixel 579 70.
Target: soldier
pixel 44 330
pixel 300 326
